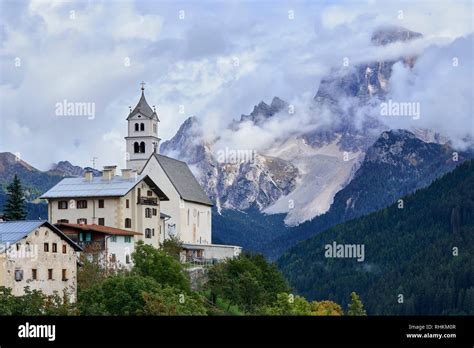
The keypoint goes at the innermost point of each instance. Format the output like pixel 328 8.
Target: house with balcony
pixel 127 202
pixel 112 247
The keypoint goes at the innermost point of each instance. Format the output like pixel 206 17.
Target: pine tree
pixel 356 307
pixel 15 208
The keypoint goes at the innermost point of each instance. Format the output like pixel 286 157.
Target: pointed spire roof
pixel 143 108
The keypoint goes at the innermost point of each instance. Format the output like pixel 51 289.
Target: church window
pixel 142 127
pixel 142 147
pixel 136 147
pixel 136 127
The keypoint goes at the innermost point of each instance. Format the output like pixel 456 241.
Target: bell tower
pixel 142 139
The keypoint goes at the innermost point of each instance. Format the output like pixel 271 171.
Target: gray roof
pixel 12 231
pixel 97 187
pixel 183 180
pixel 144 109
pixel 164 216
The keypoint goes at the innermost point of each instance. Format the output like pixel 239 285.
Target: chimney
pixel 88 175
pixel 112 168
pixel 107 174
pixel 126 174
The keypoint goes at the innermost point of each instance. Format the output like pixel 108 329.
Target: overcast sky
pixel 211 59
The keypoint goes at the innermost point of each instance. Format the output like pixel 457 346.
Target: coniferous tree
pixel 356 307
pixel 15 208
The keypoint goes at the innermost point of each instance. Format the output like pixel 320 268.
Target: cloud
pixel 441 82
pixel 99 51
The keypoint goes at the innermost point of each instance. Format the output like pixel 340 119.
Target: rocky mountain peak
pixel 263 111
pixel 390 34
pixel 65 168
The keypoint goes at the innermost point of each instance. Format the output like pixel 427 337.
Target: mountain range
pixel 416 259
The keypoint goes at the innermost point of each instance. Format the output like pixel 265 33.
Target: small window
pixel 136 147
pixel 149 193
pixel 88 236
pixel 50 273
pixel 18 275
pixel 46 247
pixel 127 203
pixel 142 127
pixel 188 217
pixel 155 211
pixel 62 205
pixel 127 259
pixel 148 213
pixel 152 231
pixel 128 239
pixel 147 233
pixel 154 128
pixel 64 248
pixel 34 274
pixel 128 223
pixel 28 247
pixel 64 275
pixel 82 221
pixel 136 127
pixel 101 203
pixel 113 239
pixel 102 221
pixel 81 204
pixel 18 246
pixel 63 221
pixel 55 248
pixel 142 147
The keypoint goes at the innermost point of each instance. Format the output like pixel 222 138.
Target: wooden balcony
pixel 92 246
pixel 147 200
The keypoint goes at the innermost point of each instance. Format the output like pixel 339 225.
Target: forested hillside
pixel 419 255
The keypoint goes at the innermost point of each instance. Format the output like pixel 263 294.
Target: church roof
pixel 143 108
pixel 183 180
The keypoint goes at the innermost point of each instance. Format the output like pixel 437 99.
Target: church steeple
pixel 142 140
pixel 143 108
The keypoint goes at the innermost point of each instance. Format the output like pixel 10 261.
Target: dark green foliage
pixel 172 246
pixel 408 252
pixel 15 208
pixel 248 281
pixel 157 264
pixel 34 302
pixel 355 308
pixel 117 295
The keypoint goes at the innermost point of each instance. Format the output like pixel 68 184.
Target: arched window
pixel 142 127
pixel 142 147
pixel 136 127
pixel 136 147
pixel 128 223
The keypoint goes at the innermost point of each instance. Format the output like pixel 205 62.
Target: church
pixel 156 198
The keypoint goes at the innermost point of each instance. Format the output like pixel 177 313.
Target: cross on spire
pixel 143 85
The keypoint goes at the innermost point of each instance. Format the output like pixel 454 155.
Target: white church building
pixel 183 208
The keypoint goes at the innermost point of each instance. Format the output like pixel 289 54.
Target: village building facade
pixel 37 255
